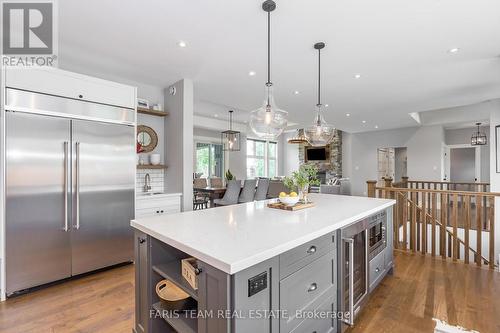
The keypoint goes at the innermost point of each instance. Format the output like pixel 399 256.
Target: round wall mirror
pixel 147 138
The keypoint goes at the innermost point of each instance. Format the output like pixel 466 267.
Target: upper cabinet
pixel 71 85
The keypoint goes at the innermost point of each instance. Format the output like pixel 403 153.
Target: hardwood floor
pixel 421 288
pixel 103 302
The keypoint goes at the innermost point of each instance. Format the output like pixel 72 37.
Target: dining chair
pixel 216 182
pixel 232 194
pixel 248 192
pixel 262 188
pixel 275 187
pixel 200 183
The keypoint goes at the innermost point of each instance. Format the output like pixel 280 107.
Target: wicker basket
pixel 174 298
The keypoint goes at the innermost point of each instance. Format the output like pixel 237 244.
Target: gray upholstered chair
pixel 216 182
pixel 248 192
pixel 275 187
pixel 329 189
pixel 232 194
pixel 262 188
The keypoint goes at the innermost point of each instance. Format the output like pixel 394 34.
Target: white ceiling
pixel 399 47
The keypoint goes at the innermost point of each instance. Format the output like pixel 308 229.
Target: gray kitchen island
pixel 262 269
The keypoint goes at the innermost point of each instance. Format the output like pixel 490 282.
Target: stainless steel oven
pixel 377 238
pixel 353 271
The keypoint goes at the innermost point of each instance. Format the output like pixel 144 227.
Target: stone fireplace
pixel 331 167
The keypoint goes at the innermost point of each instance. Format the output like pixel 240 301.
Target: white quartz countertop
pixel 236 237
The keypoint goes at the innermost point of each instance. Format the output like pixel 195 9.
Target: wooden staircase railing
pixel 448 223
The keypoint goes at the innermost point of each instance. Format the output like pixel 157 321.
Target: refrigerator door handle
pixel 350 320
pixel 66 184
pixel 77 185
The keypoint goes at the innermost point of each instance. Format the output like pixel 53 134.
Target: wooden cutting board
pixel 297 206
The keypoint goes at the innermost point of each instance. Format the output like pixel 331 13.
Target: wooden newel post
pixel 371 188
pixel 387 181
pixel 404 180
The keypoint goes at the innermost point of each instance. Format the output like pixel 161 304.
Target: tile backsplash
pixel 157 180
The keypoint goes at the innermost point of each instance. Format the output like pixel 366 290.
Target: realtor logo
pixel 28 29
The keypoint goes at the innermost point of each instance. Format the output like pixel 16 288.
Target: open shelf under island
pixel 262 269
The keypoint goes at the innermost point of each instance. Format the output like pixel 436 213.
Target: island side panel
pixel 255 296
pixel 389 250
pixel 214 292
pixel 142 282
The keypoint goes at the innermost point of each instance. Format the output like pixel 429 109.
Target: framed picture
pixel 497 153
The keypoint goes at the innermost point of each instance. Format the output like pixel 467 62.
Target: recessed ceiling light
pixel 454 50
pixel 364 121
pixel 357 76
pixel 182 43
pixel 296 92
pixel 326 105
pixel 347 114
pixel 376 126
pixel 251 73
pixel 216 115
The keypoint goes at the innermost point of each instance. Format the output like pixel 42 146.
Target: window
pixel 262 158
pixel 209 160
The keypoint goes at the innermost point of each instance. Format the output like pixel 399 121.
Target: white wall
pixel 288 155
pixel 494 176
pixel 179 146
pixel 462 136
pixel 424 153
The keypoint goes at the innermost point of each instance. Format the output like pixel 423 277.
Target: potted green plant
pixel 301 179
pixel 229 176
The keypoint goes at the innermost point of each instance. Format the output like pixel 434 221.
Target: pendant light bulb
pixel 320 133
pixel 268 121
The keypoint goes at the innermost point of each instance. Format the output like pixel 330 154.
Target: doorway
pixel 391 162
pixel 463 164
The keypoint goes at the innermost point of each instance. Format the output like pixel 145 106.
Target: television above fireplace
pixel 320 154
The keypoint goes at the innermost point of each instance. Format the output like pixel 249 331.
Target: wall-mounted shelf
pixel 152 112
pixel 151 166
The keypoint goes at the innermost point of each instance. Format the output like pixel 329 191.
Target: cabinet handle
pixel 312 287
pixel 157 212
pixel 80 96
pixel 142 240
pixel 377 270
pixel 198 271
pixel 311 250
pixel 161 211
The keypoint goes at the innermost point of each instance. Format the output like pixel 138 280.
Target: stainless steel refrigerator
pixel 69 184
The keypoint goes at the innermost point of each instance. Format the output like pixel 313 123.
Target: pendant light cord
pixel 269 49
pixel 319 78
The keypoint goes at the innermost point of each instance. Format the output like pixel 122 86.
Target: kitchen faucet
pixel 147 183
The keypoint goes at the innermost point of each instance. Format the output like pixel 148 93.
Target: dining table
pixel 213 193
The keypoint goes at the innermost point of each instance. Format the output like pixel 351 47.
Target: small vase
pixel 304 194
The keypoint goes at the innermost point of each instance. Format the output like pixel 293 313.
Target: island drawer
pixel 304 287
pixel 376 269
pixel 320 320
pixel 304 254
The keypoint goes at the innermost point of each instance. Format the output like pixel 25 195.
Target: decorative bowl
pixel 154 159
pixel 289 201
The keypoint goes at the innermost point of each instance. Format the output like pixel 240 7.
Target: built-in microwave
pixel 377 238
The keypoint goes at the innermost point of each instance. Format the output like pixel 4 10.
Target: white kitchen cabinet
pixel 58 82
pixel 158 204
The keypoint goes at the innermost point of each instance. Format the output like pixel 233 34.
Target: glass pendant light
pixel 230 139
pixel 320 133
pixel 268 121
pixel 298 138
pixel 478 138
